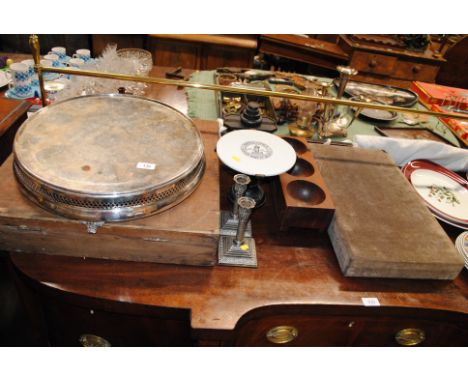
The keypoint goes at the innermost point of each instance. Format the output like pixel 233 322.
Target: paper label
pixel 146 166
pixel 370 301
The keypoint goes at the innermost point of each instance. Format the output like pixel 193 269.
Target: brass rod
pixel 266 93
pixel 36 52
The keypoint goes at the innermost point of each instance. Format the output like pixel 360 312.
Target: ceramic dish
pixel 254 152
pixel 379 115
pixel 51 76
pixel 445 219
pixel 443 191
pixel 461 244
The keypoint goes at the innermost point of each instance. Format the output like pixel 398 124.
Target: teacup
pixel 60 51
pixel 47 75
pixel 76 62
pixel 20 81
pixel 46 63
pixel 32 73
pixel 84 54
pixel 54 58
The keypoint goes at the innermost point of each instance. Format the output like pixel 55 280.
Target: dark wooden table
pixel 12 115
pixel 297 286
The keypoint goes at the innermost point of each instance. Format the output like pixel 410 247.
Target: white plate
pixel 447 220
pixel 254 152
pixel 442 192
pixel 3 79
pixel 462 244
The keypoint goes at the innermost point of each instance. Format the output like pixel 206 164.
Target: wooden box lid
pixel 381 228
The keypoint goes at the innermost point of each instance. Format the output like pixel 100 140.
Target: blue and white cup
pixel 60 51
pixel 20 80
pixel 32 73
pixel 75 62
pixel 84 54
pixel 46 63
pixel 54 58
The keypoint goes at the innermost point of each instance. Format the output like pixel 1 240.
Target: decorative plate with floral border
pixel 443 191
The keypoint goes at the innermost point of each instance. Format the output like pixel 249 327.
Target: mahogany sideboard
pixel 296 296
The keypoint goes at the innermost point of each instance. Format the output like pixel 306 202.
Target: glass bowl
pixel 142 58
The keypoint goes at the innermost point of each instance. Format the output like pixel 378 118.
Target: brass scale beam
pixel 34 43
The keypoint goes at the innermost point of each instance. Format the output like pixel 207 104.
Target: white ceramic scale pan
pixel 256 153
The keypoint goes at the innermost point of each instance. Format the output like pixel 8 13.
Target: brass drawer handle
pixel 373 63
pixel 410 337
pixel 282 334
pixel 91 340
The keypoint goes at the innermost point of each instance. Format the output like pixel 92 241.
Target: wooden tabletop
pixel 295 268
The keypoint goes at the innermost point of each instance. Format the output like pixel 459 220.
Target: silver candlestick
pixel 239 250
pixel 245 206
pixel 230 219
pixel 241 182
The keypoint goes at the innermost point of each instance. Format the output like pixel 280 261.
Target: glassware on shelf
pixel 142 59
pixel 143 63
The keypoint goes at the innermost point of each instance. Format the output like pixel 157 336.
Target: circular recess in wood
pixel 302 168
pixel 306 192
pixel 298 146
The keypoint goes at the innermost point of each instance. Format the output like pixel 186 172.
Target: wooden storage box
pixel 381 228
pixel 185 234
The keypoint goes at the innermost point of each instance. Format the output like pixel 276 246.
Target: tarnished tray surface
pixel 94 144
pixel 108 152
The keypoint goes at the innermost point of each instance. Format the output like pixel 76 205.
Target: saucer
pixel 10 93
pixel 51 76
pixel 66 59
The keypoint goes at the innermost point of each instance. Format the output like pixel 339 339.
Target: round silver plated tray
pixel 389 95
pixel 108 157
